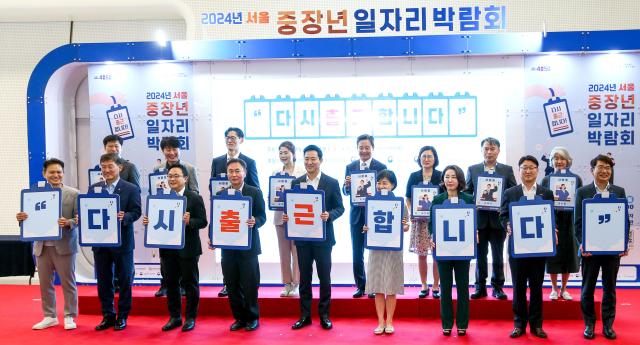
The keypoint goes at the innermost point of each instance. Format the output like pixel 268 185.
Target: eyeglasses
pixel 231 138
pixel 528 168
pixel 174 176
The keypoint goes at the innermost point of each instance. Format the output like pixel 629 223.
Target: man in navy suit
pixel 365 146
pixel 121 257
pixel 490 231
pixel 318 251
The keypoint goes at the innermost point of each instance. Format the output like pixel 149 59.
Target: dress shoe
pixel 479 293
pixel 371 295
pixel 498 293
pixel 446 332
pixel 305 321
pixel 223 292
pixel 589 332
pixel 189 325
pixel 462 332
pixel 539 332
pixel 121 324
pixel 517 332
pixel 252 325
pixel 173 323
pixel 436 294
pixel 326 323
pixel 423 293
pixel 162 291
pixel 106 323
pixel 359 293
pixel 237 325
pixel 609 333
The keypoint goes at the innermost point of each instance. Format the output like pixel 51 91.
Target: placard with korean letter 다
pixel 218 184
pixel 43 205
pixel 166 224
pixel 158 180
pixel 421 197
pixel 533 228
pixel 98 219
pixel 488 193
pixel 454 230
pixel 383 216
pixel 229 214
pixel 363 184
pixel 605 225
pixel 278 185
pixel 563 185
pixel 304 207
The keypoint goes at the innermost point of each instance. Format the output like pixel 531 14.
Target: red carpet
pixel 20 309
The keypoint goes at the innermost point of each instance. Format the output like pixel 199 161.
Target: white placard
pixel 43 210
pixel 304 210
pixel 98 217
pixel 532 228
pixel 384 220
pixel 454 230
pixel 166 225
pixel 229 227
pixel 489 192
pixel 363 184
pixel 605 227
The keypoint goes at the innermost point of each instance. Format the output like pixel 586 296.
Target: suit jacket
pixel 416 178
pixel 130 172
pixel 588 192
pixel 68 244
pixel 192 182
pixel 219 166
pixel 333 205
pixel 489 218
pixel 258 212
pixel 357 212
pixel 197 221
pixel 130 204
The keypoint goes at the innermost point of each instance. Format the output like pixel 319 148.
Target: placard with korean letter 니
pixel 158 180
pixel 304 208
pixel 533 228
pixel 605 225
pixel 421 197
pixel 278 185
pixel 166 224
pixel 488 193
pixel 229 215
pixel 43 205
pixel 454 230
pixel 383 216
pixel 363 184
pixel 98 220
pixel 563 185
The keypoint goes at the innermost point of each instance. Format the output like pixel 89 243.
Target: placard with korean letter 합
pixel 605 225
pixel 43 207
pixel 304 207
pixel 533 228
pixel 166 225
pixel 454 230
pixel 229 215
pixel 98 219
pixel 383 216
pixel 278 185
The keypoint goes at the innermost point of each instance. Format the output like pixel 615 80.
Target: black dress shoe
pixel 120 324
pixel 252 325
pixel 182 292
pixel 517 332
pixel 305 321
pixel 173 323
pixel 479 293
pixel 223 292
pixel 359 293
pixel 498 293
pixel 423 293
pixel 189 325
pixel 237 325
pixel 609 333
pixel 589 332
pixel 371 295
pixel 106 323
pixel 326 323
pixel 162 291
pixel 436 294
pixel 539 332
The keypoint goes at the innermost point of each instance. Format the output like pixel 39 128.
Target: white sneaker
pixel 46 323
pixel 294 290
pixel 286 290
pixel 69 323
pixel 554 295
pixel 567 296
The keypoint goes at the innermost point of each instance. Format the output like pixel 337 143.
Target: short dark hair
pixel 528 158
pixel 110 157
pixel 490 141
pixel 185 172
pixel 389 175
pixel 459 176
pixel 170 142
pixel 289 146
pixel 313 148
pixel 603 158
pixel 110 138
pixel 435 155
pixel 365 137
pixel 238 131
pixel 52 161
pixel 239 161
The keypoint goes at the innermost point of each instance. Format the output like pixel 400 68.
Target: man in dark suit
pixel 234 137
pixel 180 266
pixel 121 257
pixel 490 231
pixel 526 270
pixel 365 146
pixel 240 267
pixel 601 168
pixel 130 173
pixel 318 251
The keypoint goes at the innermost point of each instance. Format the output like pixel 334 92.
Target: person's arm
pixel 258 211
pixel 510 178
pixel 134 210
pixel 469 188
pixel 346 187
pixel 252 174
pixel 198 214
pixel 135 174
pixel 504 211
pixel 577 216
pixel 334 199
pixel 193 180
